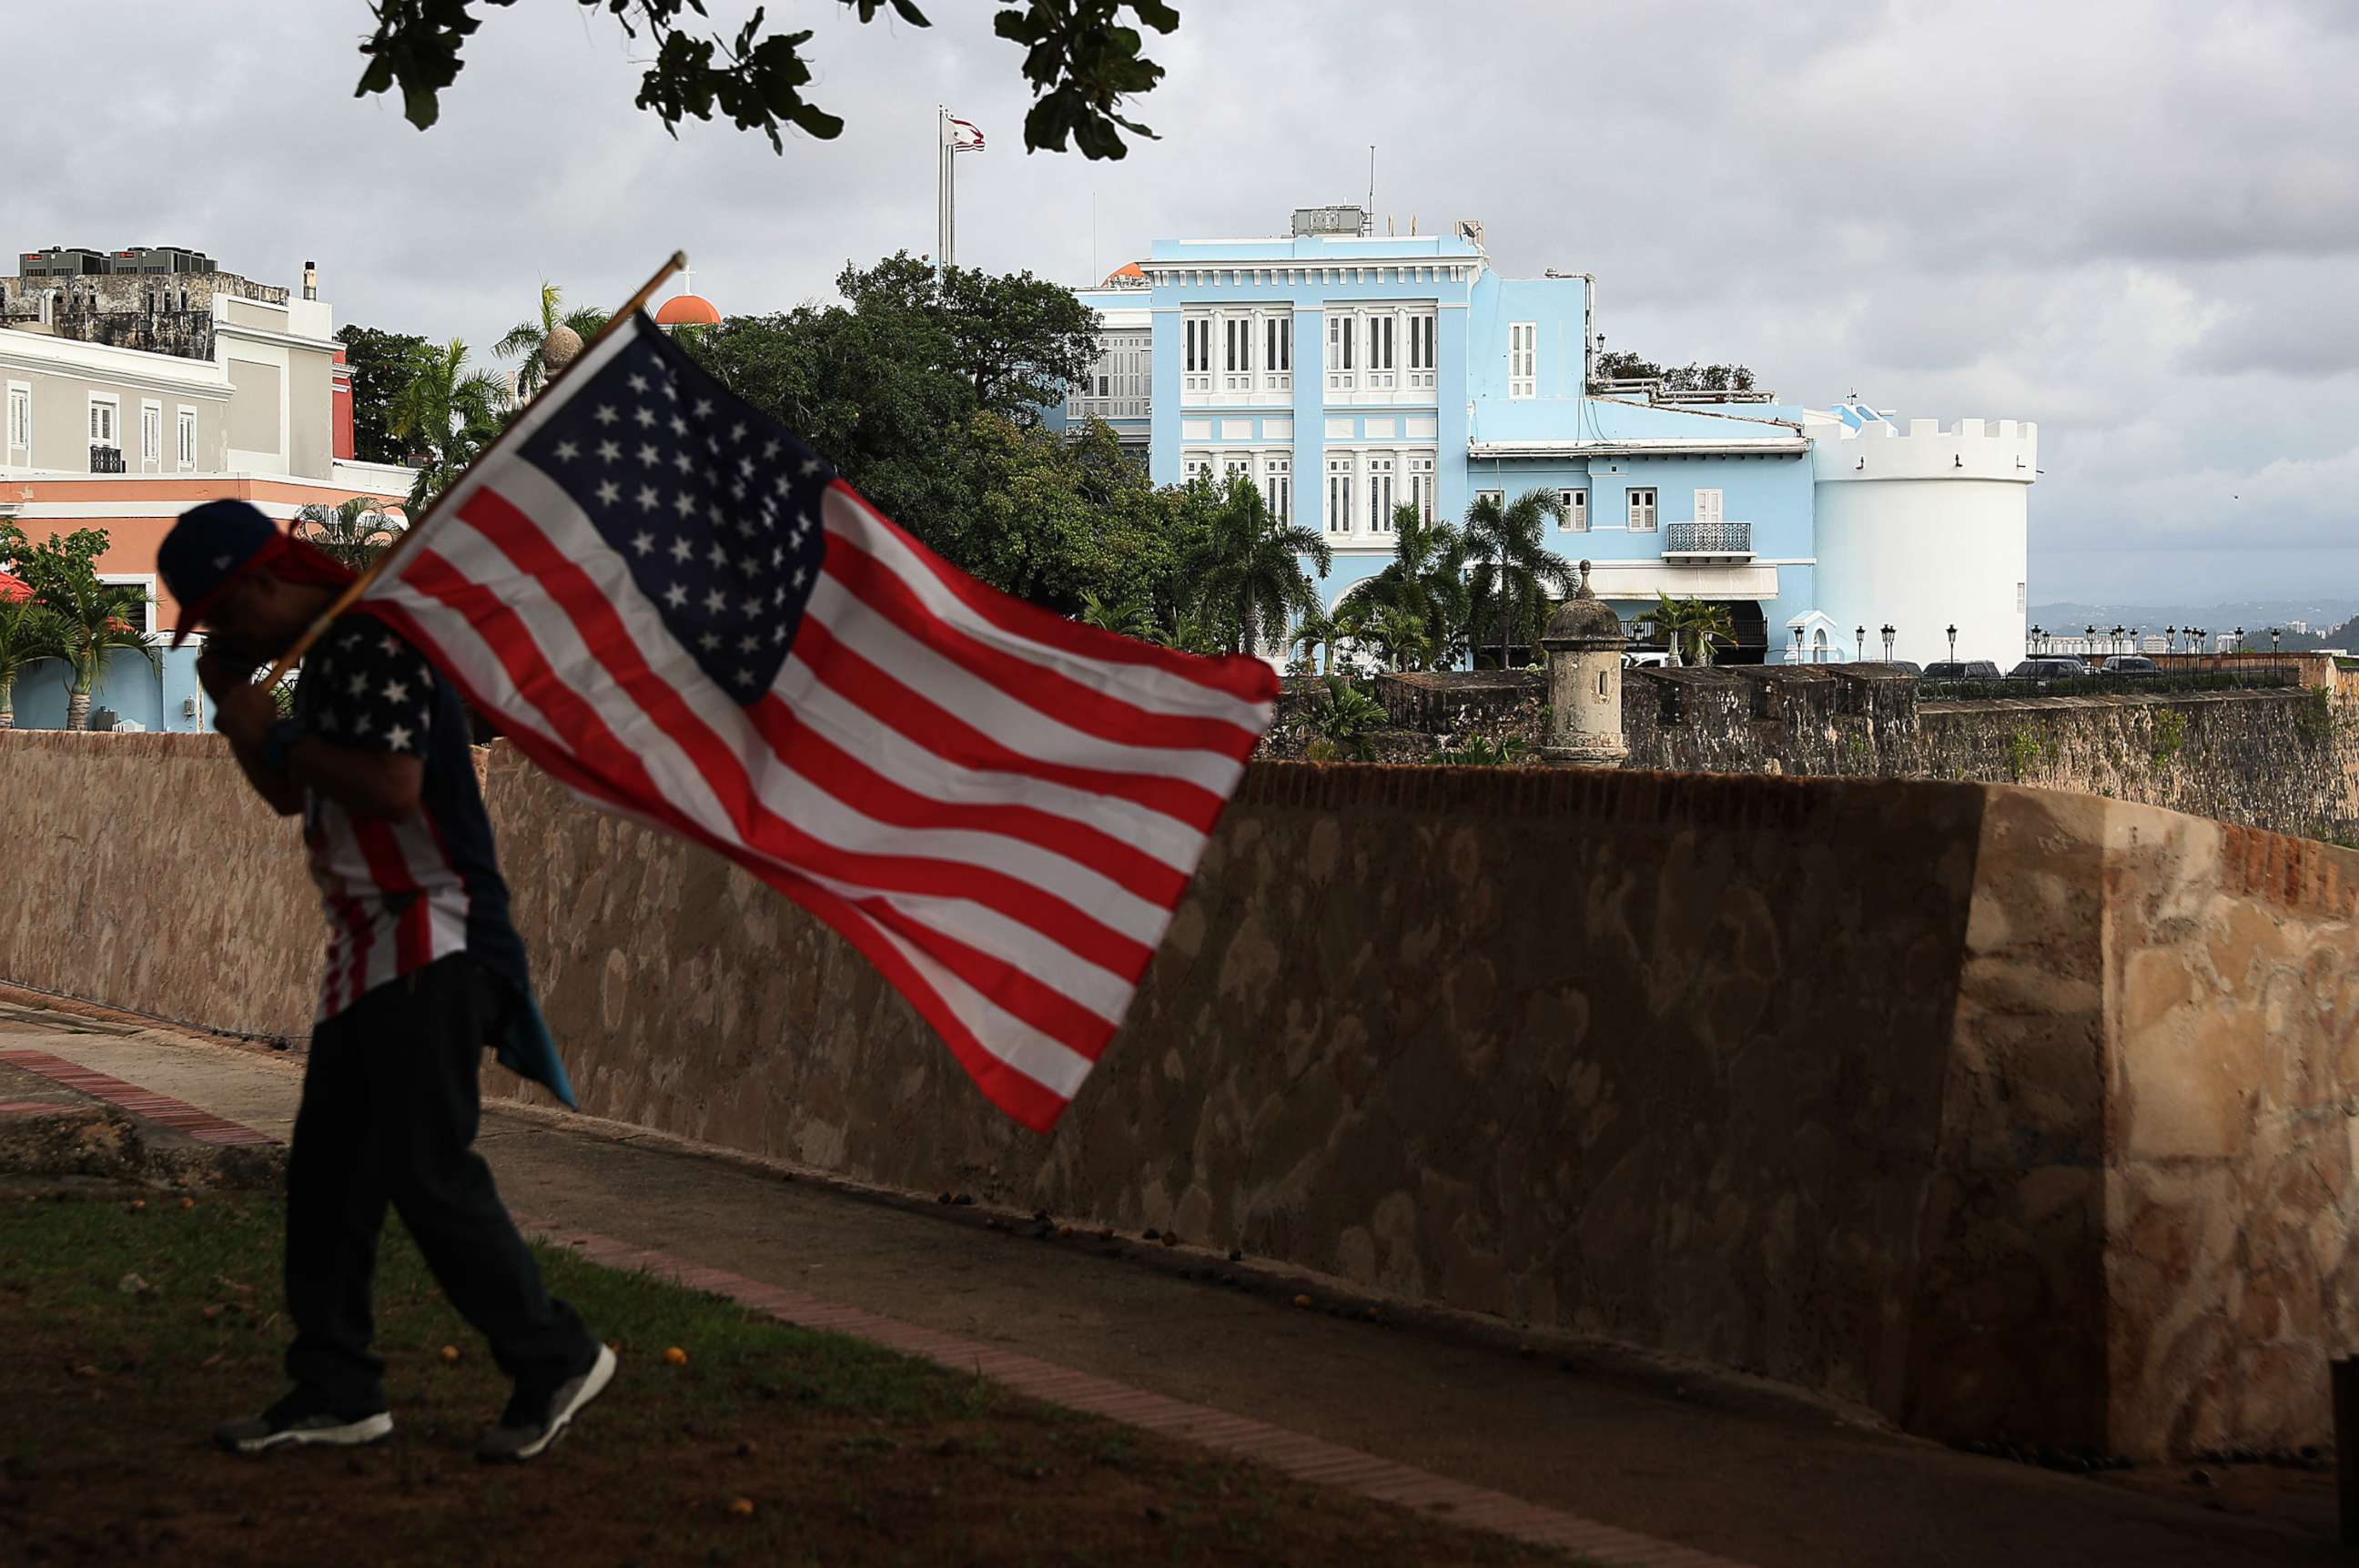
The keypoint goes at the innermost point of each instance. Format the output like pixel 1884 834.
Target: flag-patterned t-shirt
pixel 399 894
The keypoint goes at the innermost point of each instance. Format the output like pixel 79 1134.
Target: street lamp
pixel 1798 647
pixel 1954 641
pixel 2170 638
pixel 2091 632
pixel 2240 641
pixel 2274 633
pixel 1859 635
pixel 1887 642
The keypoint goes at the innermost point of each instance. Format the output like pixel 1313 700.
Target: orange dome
pixel 688 310
pixel 1127 270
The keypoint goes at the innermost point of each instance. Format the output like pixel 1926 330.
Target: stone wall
pixel 2286 760
pixel 2007 1112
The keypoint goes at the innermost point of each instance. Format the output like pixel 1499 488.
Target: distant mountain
pixel 2253 615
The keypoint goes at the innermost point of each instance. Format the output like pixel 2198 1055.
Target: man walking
pixel 423 971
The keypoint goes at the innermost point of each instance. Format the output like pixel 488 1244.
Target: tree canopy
pixel 1081 57
pixel 927 398
pixel 383 364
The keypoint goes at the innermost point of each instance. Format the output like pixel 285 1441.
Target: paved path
pixel 1637 1466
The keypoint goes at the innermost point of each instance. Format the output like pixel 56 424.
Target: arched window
pixel 1818 646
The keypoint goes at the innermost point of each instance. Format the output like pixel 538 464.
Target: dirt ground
pixel 135 1321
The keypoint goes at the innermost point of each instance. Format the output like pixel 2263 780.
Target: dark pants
pixel 390 1105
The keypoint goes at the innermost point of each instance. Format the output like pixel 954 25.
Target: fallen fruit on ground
pixel 449 1353
pixel 741 1507
pixel 675 1356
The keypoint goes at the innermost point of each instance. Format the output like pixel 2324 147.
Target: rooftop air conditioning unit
pixel 1351 221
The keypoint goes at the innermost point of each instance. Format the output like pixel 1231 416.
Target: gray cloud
pixel 2133 222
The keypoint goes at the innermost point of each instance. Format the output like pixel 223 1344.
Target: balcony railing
pixel 1717 541
pixel 105 459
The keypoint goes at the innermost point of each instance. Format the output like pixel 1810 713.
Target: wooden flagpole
pixel 362 584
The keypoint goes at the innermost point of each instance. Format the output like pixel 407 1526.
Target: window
pixel 188 440
pixel 1818 646
pixel 151 435
pixel 1707 506
pixel 1343 337
pixel 1497 497
pixel 1523 359
pixel 1196 365
pixel 1235 466
pixel 1196 465
pixel 1380 493
pixel 20 423
pixel 1642 511
pixel 1339 495
pixel 1277 352
pixel 1237 353
pixel 140 613
pixel 1278 487
pixel 1576 511
pixel 1116 385
pixel 1420 349
pixel 1380 343
pixel 1421 487
pixel 105 422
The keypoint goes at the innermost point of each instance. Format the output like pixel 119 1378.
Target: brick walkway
pixel 177 1115
pixel 1292 1453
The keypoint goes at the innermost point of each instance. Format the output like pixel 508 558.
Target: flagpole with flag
pixel 674 606
pixel 952 136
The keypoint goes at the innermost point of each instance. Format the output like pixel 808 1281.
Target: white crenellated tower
pixel 1924 528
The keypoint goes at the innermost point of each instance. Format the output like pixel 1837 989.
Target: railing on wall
pixel 105 459
pixel 1720 539
pixel 2245 676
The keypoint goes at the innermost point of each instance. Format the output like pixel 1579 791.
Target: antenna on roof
pixel 1371 188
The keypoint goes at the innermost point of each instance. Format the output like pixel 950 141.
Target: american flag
pixel 675 607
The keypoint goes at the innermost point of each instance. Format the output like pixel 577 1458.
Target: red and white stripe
pixel 365 867
pixel 999 807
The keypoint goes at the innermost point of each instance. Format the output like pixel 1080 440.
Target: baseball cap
pixel 209 548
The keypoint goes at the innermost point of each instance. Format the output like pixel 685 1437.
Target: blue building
pixel 1347 373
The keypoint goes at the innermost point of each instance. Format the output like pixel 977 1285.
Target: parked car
pixel 2052 667
pixel 2130 664
pixel 1962 670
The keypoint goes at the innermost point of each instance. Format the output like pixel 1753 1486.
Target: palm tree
pixel 1188 632
pixel 1688 626
pixel 354 532
pixel 90 626
pixel 1314 633
pixel 530 337
pixel 452 412
pixel 1426 578
pixel 1250 566
pixel 1125 615
pixel 1345 723
pixel 1513 570
pixel 1405 637
pixel 29 633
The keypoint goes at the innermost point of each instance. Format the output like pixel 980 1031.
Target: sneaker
pixel 304 1419
pixel 535 1418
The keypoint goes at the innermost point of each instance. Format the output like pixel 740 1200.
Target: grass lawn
pixel 770 1445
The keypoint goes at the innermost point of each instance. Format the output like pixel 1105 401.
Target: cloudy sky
pixel 2133 221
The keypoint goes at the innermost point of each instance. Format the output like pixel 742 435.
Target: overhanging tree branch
pixel 1081 56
